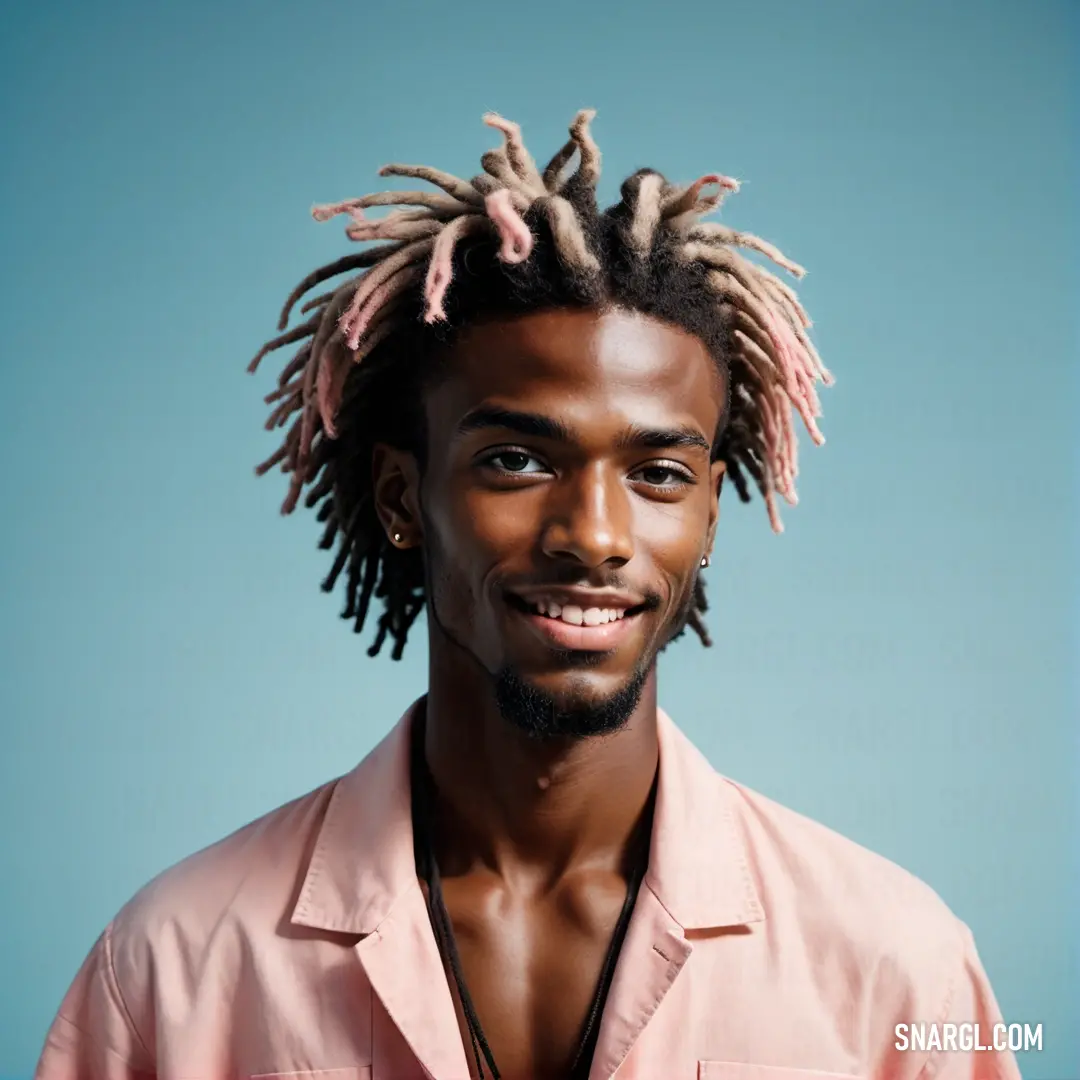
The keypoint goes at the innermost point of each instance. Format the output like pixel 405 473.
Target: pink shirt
pixel 763 946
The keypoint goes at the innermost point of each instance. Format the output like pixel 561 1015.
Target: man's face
pixel 566 504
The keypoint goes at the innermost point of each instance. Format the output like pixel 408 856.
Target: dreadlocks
pixel 513 240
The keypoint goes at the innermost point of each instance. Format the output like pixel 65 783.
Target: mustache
pixel 573 577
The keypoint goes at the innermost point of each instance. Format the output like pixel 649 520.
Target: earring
pixel 705 560
pixel 397 538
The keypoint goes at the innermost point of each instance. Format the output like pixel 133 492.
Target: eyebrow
pixel 536 425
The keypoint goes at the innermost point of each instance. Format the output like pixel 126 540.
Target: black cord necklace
pixel 428 870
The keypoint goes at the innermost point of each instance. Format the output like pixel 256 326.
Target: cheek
pixel 501 525
pixel 673 533
pixel 474 531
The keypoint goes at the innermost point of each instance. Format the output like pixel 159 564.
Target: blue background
pixel 901 664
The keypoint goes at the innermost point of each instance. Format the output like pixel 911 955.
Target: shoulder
pixel 828 866
pixel 887 928
pixel 814 885
pixel 230 894
pixel 196 920
pixel 872 937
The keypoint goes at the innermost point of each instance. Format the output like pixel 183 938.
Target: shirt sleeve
pixel 972 1007
pixel 94 1036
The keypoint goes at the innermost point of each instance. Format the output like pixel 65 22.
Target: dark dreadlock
pixel 514 240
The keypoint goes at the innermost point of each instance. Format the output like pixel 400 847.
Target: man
pixel 519 417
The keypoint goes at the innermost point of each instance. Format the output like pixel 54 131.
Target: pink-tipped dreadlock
pixel 773 366
pixel 516 238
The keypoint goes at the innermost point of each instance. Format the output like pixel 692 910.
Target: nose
pixel 589 519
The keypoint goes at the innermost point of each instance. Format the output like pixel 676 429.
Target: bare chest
pixel 532 967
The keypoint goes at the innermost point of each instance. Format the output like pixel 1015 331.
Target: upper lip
pixel 583 598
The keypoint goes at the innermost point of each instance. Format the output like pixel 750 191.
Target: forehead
pixel 587 366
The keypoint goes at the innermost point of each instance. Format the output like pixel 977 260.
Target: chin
pixel 574 703
pixel 576 687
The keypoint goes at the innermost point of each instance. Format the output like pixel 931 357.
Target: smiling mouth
pixel 572 614
pixel 569 628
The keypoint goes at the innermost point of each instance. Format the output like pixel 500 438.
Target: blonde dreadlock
pixel 515 239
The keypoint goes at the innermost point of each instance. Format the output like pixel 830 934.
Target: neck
pixel 528 809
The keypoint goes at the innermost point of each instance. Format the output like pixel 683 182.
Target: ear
pixel 396 487
pixel 716 481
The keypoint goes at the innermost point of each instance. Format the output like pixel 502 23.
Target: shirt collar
pixel 698 865
pixel 363 861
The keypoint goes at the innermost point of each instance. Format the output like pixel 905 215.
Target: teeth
pixel 574 615
pixel 578 616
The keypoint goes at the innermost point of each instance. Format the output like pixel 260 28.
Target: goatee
pixel 541 716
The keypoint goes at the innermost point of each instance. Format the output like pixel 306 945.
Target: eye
pixel 665 476
pixel 514 461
